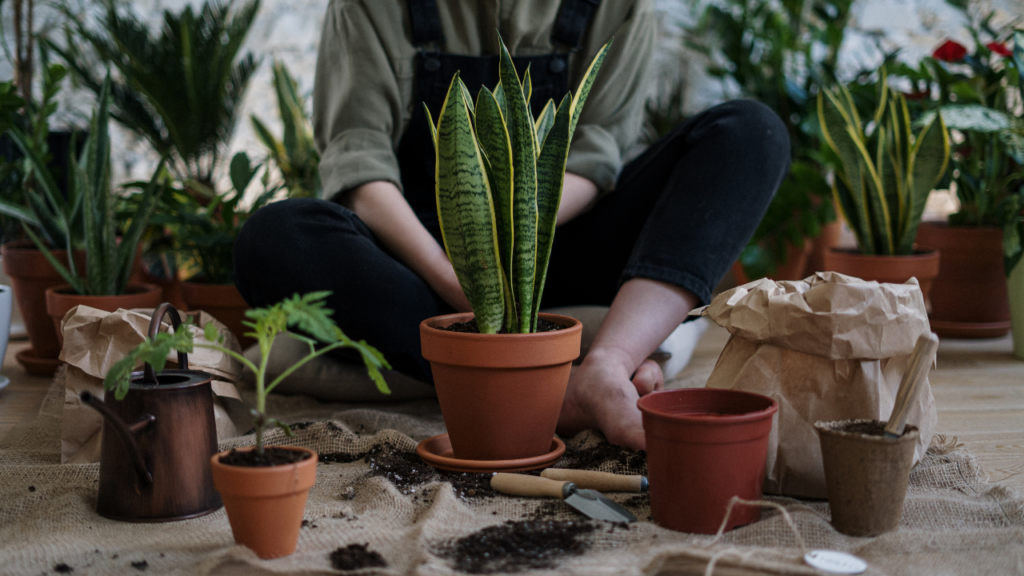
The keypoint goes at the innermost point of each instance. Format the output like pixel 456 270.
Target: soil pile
pixel 517 546
pixel 356 556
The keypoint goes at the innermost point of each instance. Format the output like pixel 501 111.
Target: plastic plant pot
pixel 705 446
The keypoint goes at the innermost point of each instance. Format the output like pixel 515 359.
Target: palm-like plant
pixel 181 89
pixel 295 154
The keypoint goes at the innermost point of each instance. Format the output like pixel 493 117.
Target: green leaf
pixel 433 128
pixel 926 166
pixel 544 122
pixel 973 117
pixel 586 84
pixel 241 172
pixel 852 194
pixel 466 212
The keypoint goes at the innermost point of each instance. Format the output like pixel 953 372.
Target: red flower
pixel 999 48
pixel 950 51
pixel 917 95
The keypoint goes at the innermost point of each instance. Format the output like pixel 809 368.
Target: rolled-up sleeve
pixel 613 113
pixel 357 103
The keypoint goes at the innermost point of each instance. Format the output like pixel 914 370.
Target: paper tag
pixel 835 562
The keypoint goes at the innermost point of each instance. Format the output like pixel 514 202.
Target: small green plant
pixel 885 171
pixel 295 154
pixel 307 313
pixel 499 184
pixel 86 216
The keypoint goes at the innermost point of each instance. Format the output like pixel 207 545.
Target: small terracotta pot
pixel 705 446
pixel 223 302
pixel 500 394
pixel 1015 286
pixel 31 274
pixel 265 505
pixel 969 298
pixel 60 299
pixel 923 265
pixel 793 269
pixel 866 476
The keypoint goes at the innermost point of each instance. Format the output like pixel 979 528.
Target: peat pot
pixel 223 302
pixel 157 443
pixel 265 505
pixel 866 475
pixel 500 394
pixel 705 446
pixel 923 265
pixel 968 298
pixel 61 299
pixel 31 274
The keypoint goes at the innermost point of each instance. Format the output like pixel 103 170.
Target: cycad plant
pixel 179 89
pixel 295 153
pixel 886 170
pixel 499 183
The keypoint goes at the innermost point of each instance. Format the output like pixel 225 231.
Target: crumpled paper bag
pixel 829 347
pixel 94 340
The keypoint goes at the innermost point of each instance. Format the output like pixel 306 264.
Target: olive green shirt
pixel 363 96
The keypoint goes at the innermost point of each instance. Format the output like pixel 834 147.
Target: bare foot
pixel 601 395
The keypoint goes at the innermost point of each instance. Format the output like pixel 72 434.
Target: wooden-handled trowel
pixel 589 502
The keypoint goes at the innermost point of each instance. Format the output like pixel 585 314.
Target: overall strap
pixel 573 17
pixel 426 22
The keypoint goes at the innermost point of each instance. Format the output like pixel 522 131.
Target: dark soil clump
pixel 471 327
pixel 63 568
pixel 141 565
pixel 517 546
pixel 866 428
pixel 624 459
pixel 271 457
pixel 356 556
pixel 407 471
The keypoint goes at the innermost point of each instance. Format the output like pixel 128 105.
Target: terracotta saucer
pixel 953 329
pixel 36 365
pixel 437 451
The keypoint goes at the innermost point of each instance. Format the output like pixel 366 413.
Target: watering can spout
pixel 126 432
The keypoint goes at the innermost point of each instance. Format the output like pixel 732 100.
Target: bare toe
pixel 648 378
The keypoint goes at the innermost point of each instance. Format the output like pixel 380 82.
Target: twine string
pixel 725 522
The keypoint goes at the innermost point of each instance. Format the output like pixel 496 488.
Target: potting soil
pixel 372 493
pixel 471 327
pixel 270 457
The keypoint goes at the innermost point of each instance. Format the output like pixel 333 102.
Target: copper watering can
pixel 157 443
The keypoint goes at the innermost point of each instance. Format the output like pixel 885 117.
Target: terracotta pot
pixel 265 505
pixel 31 274
pixel 60 299
pixel 793 269
pixel 923 265
pixel 968 297
pixel 705 446
pixel 223 302
pixel 1015 285
pixel 500 394
pixel 829 238
pixel 866 476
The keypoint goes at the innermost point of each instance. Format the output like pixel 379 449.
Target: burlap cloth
pixel 954 522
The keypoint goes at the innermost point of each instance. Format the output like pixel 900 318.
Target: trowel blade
pixel 595 505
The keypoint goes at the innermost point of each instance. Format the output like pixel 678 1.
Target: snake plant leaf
pixel 550 177
pixel 852 196
pixel 527 84
pixel 140 221
pixel 878 206
pixel 497 148
pixel 467 97
pixel 524 191
pixel 927 164
pixel 433 127
pixel 883 93
pixel 544 122
pixel 887 164
pixel 46 204
pixel 466 212
pixel 499 95
pixel 586 84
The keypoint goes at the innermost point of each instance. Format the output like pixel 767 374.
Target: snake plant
pixel 498 180
pixel 886 170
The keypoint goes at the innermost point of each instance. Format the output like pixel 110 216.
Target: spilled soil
pixel 517 546
pixel 356 556
pixel 623 460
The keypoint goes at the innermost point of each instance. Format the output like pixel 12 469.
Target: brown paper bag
pixel 94 340
pixel 829 347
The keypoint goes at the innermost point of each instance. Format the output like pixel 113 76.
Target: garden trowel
pixel 589 502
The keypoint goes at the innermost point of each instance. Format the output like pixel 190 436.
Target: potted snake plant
pixel 881 184
pixel 501 371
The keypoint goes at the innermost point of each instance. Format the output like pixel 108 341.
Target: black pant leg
pixel 304 245
pixel 681 212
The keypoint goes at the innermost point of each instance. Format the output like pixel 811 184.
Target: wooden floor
pixel 978 388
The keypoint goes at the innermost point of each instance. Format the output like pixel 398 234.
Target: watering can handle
pixel 154 328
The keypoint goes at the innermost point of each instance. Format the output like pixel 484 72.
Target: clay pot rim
pixel 29 246
pixel 831 428
pixel 313 460
pixel 570 325
pixel 920 253
pixel 945 225
pixel 709 419
pixel 61 291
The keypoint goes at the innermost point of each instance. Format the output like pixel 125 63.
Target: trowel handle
pixel 917 370
pixel 600 481
pixel 525 485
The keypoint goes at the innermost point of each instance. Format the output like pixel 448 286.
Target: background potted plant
pixel 975 93
pixel 881 183
pixel 264 488
pixel 499 183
